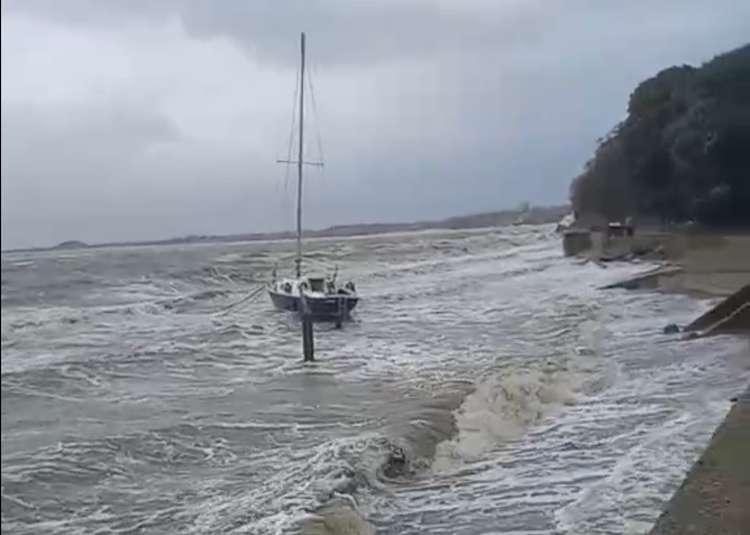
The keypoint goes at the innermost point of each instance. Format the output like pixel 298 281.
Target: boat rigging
pixel 321 296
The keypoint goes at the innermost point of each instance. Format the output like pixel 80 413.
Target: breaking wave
pixel 485 384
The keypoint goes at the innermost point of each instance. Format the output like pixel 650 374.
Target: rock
pixel 672 328
pixel 397 463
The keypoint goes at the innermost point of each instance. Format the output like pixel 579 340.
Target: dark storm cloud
pixel 136 119
pixel 345 31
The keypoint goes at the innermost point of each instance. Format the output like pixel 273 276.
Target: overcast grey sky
pixel 129 120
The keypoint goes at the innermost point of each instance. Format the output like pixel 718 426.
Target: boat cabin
pixel 317 284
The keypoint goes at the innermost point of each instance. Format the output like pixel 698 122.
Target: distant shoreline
pixel 534 215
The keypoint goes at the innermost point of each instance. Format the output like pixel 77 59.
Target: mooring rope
pixel 254 293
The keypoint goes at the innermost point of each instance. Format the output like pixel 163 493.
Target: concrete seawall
pixel 731 315
pixel 714 499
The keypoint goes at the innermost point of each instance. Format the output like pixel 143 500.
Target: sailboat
pixel 320 296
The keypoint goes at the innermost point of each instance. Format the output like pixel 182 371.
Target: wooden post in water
pixel 340 311
pixel 308 342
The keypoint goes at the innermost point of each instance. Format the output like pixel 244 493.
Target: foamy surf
pixel 486 385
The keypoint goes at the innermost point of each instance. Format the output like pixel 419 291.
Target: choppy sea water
pixel 137 399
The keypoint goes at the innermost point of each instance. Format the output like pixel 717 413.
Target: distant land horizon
pixel 525 215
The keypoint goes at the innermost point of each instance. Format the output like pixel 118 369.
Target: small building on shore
pixel 596 234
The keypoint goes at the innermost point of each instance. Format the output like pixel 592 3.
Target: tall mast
pixel 299 156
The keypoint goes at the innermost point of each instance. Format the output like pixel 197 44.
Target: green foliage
pixel 683 152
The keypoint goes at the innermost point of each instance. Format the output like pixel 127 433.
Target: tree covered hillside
pixel 682 153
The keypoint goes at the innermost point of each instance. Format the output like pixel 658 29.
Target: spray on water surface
pixel 486 386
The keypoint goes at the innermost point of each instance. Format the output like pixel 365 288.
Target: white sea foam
pixel 527 400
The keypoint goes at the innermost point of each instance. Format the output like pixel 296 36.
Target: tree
pixel 682 153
